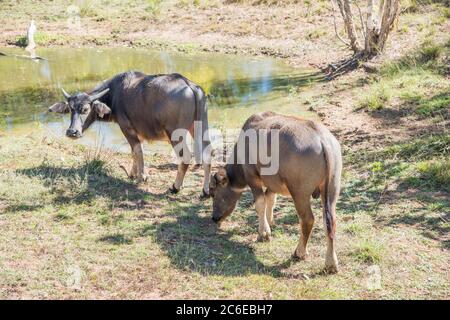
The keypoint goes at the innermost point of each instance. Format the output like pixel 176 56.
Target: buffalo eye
pixel 85 109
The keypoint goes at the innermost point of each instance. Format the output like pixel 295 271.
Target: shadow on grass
pixel 196 244
pixel 419 105
pixel 116 239
pixel 432 225
pixel 21 208
pixel 437 105
pixel 84 183
pixel 428 212
pixel 191 242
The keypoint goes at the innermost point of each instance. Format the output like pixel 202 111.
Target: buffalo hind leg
pixel 303 207
pixel 331 261
pixel 260 206
pixel 138 163
pixel 206 159
pixel 271 198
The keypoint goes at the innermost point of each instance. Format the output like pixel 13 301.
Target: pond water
pixel 237 86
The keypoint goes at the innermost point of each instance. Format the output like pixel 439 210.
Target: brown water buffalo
pixel 309 164
pixel 146 107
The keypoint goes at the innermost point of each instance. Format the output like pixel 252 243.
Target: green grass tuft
pixel 377 98
pixel 437 105
pixel 415 84
pixel 153 7
pixel 368 251
pixel 435 173
pixel 425 56
pixel 420 149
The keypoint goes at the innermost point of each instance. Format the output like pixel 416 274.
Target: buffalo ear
pixel 59 107
pixel 101 108
pixel 221 177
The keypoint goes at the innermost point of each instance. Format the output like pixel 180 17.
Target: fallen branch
pixel 337 69
pixel 22 56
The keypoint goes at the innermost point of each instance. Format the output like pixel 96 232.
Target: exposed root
pixel 334 70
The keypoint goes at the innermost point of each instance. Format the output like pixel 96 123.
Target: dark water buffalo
pixel 146 107
pixel 309 164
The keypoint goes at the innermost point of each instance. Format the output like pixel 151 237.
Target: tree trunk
pixel 391 10
pixel 377 26
pixel 347 15
pixel 370 40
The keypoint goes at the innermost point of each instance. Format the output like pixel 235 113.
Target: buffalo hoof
pixel 297 257
pixel 331 269
pixel 173 190
pixel 263 237
pixel 142 179
pixel 331 263
pixel 204 195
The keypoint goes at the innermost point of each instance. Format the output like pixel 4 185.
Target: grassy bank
pixel 301 31
pixel 73 226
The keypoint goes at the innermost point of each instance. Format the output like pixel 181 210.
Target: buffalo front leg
pixel 181 172
pixel 303 207
pixel 207 172
pixel 203 155
pixel 137 169
pixel 260 206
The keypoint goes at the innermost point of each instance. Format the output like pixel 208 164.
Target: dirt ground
pixel 131 242
pixel 305 38
pixel 301 32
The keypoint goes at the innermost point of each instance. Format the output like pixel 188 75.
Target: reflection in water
pixel 237 86
pixel 45 69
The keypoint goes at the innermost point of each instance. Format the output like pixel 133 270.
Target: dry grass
pixel 80 229
pixel 73 226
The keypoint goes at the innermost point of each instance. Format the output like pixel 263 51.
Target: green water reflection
pixel 237 86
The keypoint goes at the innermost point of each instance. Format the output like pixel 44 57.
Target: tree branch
pixel 363 30
pixel 335 25
pixel 349 25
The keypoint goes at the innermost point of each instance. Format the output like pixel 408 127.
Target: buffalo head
pixel 83 109
pixel 224 195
